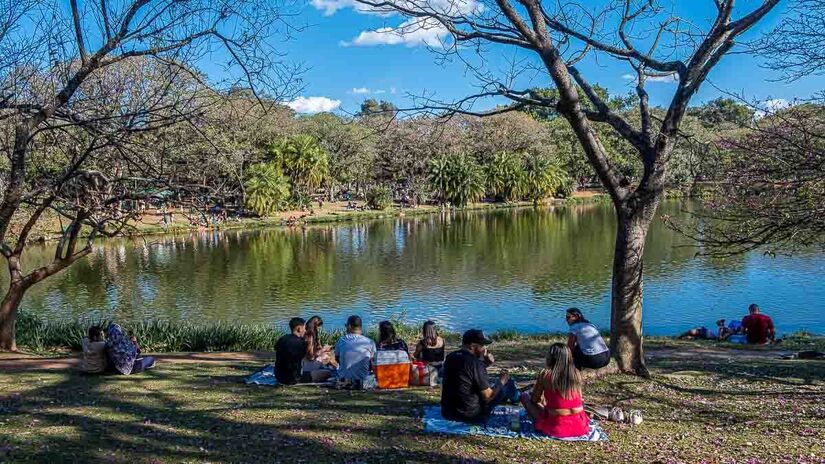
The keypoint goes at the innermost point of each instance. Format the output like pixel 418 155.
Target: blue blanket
pixel 265 376
pixel 499 426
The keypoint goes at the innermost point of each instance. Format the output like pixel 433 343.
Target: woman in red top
pixel 555 405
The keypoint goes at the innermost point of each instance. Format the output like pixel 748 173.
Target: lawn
pixel 703 404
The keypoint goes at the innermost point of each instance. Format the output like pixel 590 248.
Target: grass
pixel 697 409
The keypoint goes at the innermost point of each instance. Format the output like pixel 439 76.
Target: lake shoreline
pixel 42 336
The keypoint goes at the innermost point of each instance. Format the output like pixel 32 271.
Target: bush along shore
pixel 39 335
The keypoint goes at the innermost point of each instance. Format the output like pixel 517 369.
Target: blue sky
pixel 347 62
pixel 340 68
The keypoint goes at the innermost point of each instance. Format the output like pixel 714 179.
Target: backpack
pixel 423 374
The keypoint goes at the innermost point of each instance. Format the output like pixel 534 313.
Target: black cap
pixel 475 336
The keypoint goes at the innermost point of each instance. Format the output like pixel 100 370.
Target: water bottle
pixel 515 420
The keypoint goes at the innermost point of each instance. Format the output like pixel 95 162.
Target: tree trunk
pixel 8 318
pixel 634 216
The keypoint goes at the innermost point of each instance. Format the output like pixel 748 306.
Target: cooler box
pixel 392 369
pixel 423 375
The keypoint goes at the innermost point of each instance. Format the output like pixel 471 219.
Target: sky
pixel 350 53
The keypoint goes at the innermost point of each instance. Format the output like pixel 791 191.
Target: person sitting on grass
pixel 585 342
pixel 290 351
pixel 431 348
pixel 758 327
pixel 388 340
pixel 123 352
pixel 555 404
pixel 466 395
pixel 94 352
pixel 354 353
pixel 719 333
pixel 318 360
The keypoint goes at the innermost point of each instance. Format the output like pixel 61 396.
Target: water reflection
pixel 500 269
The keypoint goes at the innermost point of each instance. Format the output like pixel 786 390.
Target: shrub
pixel 267 189
pixel 505 176
pixel 542 178
pixel 456 179
pixel 379 197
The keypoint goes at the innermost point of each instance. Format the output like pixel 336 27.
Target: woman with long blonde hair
pixel 555 404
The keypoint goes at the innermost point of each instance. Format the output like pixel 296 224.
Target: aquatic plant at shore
pixel 39 334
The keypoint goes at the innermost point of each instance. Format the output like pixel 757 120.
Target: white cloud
pixel 313 104
pixel 668 79
pixel 393 90
pixel 771 106
pixel 366 91
pixel 410 33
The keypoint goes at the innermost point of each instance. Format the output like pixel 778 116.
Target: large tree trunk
pixel 634 216
pixel 8 318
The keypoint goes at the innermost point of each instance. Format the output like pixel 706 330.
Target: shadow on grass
pixel 173 416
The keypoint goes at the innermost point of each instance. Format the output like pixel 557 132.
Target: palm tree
pixel 456 179
pixel 267 189
pixel 542 178
pixel 505 176
pixel 304 160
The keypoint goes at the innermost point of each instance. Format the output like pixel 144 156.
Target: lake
pixel 498 269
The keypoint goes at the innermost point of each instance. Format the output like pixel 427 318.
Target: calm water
pixel 507 269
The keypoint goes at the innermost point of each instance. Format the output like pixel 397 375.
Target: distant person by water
pixel 431 349
pixel 94 352
pixel 319 361
pixel 585 342
pixel 719 332
pixel 388 340
pixel 123 352
pixel 354 352
pixel 290 351
pixel 758 327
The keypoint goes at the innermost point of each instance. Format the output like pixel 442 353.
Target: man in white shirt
pixel 354 352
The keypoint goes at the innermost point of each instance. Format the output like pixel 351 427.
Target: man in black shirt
pixel 466 395
pixel 290 351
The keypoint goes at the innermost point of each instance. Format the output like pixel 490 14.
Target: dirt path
pixel 25 362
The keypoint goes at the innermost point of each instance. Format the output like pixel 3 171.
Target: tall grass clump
pixel 38 334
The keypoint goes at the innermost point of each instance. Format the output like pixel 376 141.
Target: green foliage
pixel 456 179
pixel 505 176
pixel 723 112
pixel 379 197
pixel 267 189
pixel 304 160
pixel 542 178
pixel 372 107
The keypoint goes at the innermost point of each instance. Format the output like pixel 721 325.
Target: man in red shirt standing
pixel 758 327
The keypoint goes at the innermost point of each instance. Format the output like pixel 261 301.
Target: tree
pixel 542 178
pixel 653 42
pixel 723 112
pixel 73 96
pixel 304 161
pixel 773 182
pixel 773 194
pixel 456 179
pixel 350 145
pixel 372 107
pixel 267 189
pixel 505 176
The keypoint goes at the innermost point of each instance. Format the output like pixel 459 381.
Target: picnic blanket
pixel 264 376
pixel 499 426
